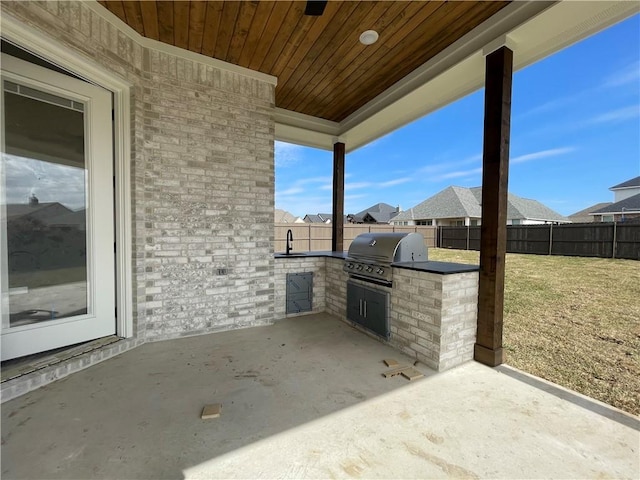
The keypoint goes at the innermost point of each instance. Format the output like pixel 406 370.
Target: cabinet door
pixel 375 312
pixel 355 297
pixel 299 292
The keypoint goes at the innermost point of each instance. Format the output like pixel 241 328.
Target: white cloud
pixel 287 154
pixel 291 191
pixel 628 74
pixel 306 181
pixel 618 115
pixel 457 174
pixel 552 152
pixel 397 181
pixel 439 167
pixel 356 185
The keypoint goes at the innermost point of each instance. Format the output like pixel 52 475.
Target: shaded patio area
pixel 305 398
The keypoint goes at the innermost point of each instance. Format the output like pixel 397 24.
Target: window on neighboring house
pixel 424 222
pixel 515 221
pixel 607 218
pixel 458 223
pixel 474 223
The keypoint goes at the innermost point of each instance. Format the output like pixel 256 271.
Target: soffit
pixel 322 69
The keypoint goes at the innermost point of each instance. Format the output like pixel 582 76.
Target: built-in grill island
pixel 371 255
pixel 369 260
pixel 386 286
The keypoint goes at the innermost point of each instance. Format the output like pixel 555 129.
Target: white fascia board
pixel 173 50
pixel 301 129
pixel 304 137
pixel 566 23
pixel 624 188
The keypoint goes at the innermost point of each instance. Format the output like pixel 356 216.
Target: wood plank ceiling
pixel 322 68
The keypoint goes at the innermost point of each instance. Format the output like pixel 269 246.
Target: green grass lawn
pixel 573 321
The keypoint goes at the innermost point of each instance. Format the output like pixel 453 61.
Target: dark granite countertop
pixel 326 253
pixel 443 268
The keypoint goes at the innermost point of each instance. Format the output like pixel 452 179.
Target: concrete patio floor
pixel 305 398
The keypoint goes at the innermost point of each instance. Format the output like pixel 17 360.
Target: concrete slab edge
pixel 596 406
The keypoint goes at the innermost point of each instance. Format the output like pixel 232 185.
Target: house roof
pixel 634 182
pixel 380 213
pixel 631 204
pixel 452 202
pixel 15 210
pixel 461 202
pixel 429 53
pixel 527 208
pixel 282 216
pixel 311 218
pixel 583 215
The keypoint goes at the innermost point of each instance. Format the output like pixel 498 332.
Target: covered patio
pixel 199 92
pixel 305 398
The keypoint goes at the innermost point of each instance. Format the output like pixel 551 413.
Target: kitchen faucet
pixel 289 241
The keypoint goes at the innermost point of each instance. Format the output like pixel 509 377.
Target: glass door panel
pixel 56 209
pixel 46 204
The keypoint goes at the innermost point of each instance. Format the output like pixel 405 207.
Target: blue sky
pixel 575 132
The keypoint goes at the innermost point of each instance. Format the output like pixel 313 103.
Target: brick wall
pixel 202 178
pixel 336 292
pixel 299 265
pixel 433 317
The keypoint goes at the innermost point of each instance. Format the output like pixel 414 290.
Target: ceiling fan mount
pixel 315 8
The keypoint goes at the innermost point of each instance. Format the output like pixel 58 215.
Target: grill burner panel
pixel 371 254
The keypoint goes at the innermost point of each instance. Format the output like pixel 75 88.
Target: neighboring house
pixel 625 207
pixel 378 213
pixel 584 216
pixel 459 206
pixel 624 210
pixel 76 220
pixel 319 218
pixel 282 216
pixel 322 218
pixel 36 211
pixel 626 189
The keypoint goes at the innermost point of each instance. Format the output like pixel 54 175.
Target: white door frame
pixel 49 49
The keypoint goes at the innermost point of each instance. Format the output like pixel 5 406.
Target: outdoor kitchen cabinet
pixel 369 308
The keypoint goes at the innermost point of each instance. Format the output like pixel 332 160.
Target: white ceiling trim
pixel 535 29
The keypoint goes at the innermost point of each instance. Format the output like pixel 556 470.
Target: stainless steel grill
pixel 371 254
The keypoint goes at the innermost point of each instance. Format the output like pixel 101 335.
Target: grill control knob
pixel 359 267
pixel 369 269
pixel 380 271
pixel 350 266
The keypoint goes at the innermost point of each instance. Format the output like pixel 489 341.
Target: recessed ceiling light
pixel 369 37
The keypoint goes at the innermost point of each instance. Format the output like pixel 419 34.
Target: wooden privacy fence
pixel 605 240
pixel 309 237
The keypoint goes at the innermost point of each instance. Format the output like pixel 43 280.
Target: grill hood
pixel 387 248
